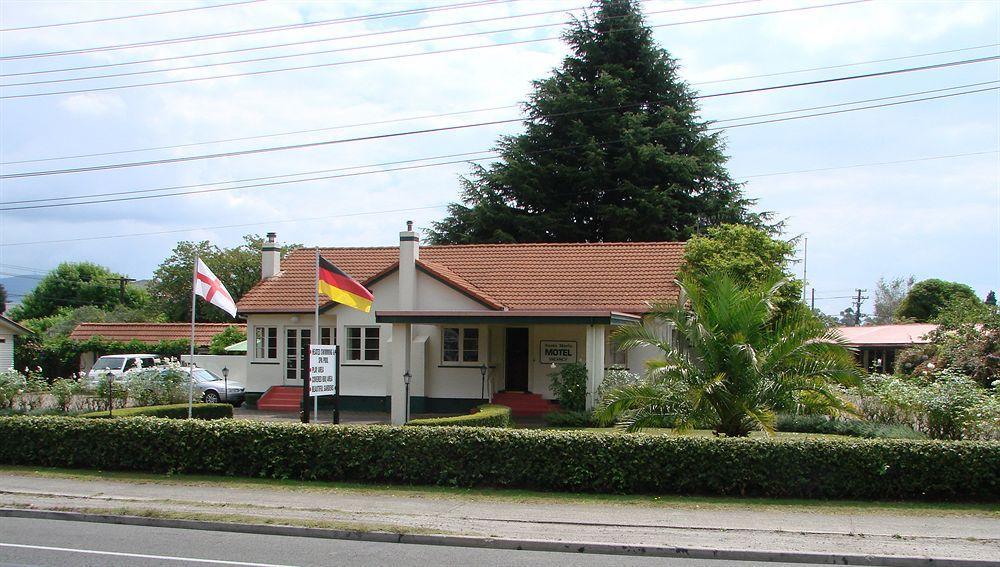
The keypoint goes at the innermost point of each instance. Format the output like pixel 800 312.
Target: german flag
pixel 339 287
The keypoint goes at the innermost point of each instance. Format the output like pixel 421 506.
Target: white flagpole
pixel 316 339
pixel 194 303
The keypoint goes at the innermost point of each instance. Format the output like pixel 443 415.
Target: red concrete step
pixel 281 398
pixel 525 404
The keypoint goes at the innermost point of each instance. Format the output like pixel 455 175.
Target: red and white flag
pixel 210 287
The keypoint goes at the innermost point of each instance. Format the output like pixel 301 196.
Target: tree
pixel 230 336
pixel 613 151
pixel 888 296
pixel 238 268
pixel 3 299
pixel 847 318
pixel 75 285
pixel 747 252
pixel 991 298
pixel 739 366
pixel 926 298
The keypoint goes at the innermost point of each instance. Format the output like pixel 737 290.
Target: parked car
pixel 118 364
pixel 210 388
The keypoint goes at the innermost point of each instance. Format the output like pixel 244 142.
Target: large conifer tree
pixel 613 151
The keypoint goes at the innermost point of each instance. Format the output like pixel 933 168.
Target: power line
pixel 328 51
pixel 354 36
pixel 218 227
pixel 442 115
pixel 914 160
pixel 463 126
pixel 348 19
pixel 313 219
pixel 401 56
pixel 415 160
pixel 410 167
pixel 128 17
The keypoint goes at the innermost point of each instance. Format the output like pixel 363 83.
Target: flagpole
pixel 316 339
pixel 194 303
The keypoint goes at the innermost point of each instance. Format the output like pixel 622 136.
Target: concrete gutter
pixel 505 543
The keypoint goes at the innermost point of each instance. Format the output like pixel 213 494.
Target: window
pixel 265 343
pixel 362 344
pixel 148 362
pixel 613 356
pixel 459 344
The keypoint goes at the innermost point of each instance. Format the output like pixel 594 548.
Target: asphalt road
pixel 26 542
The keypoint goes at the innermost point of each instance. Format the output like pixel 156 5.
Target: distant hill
pixel 17 287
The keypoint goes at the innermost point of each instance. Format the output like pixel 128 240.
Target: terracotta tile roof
pixel 887 335
pixel 600 276
pixel 151 332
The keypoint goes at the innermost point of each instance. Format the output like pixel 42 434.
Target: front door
pixel 517 359
pixel 296 355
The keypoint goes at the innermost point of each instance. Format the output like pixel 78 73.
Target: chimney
pixel 270 261
pixel 409 253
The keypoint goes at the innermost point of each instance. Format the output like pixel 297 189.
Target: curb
pixel 504 543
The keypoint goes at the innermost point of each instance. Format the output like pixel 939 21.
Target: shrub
pixel 947 406
pixel 851 427
pixel 230 336
pixel 155 387
pixel 569 384
pixel 172 411
pixel 616 377
pixel 574 461
pixel 571 419
pixel 62 391
pixel 11 386
pixel 486 415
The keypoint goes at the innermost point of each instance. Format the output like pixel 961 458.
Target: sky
pixel 930 208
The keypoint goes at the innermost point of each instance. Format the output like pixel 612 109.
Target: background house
pixel 467 323
pixel 150 333
pixel 8 330
pixel 877 345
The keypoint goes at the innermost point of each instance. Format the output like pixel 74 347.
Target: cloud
pixel 93 104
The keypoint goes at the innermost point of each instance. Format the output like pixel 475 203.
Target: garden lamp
pixel 483 370
pixel 406 410
pixel 225 381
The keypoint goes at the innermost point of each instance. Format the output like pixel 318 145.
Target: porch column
pixel 595 362
pixel 400 366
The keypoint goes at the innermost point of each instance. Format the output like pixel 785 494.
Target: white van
pixel 118 364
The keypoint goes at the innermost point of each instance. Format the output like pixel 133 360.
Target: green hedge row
pixel 486 415
pixel 548 460
pixel 172 411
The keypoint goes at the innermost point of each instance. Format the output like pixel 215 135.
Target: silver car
pixel 211 388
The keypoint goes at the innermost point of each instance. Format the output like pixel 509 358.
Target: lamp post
pixel 111 393
pixel 406 408
pixel 225 381
pixel 483 370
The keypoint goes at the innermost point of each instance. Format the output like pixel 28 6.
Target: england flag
pixel 210 287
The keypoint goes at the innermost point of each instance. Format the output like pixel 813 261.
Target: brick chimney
pixel 270 261
pixel 409 253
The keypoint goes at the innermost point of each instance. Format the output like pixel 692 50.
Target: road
pixel 54 542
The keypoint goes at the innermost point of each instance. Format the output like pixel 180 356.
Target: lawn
pixel 779 435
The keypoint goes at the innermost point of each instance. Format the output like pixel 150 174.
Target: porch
pixel 492 355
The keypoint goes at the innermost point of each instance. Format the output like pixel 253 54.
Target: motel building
pixel 465 324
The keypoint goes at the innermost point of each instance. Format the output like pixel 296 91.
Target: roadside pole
pixel 194 304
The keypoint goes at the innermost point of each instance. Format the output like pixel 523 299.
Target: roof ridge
pixel 463 281
pixel 503 244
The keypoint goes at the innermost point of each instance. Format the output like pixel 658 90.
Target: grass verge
pixel 522 496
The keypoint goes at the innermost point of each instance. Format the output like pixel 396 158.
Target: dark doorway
pixel 517 360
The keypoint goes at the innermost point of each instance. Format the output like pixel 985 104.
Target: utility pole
pixel 805 264
pixel 812 302
pixel 122 283
pixel 857 306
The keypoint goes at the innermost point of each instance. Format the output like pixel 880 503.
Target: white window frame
pixel 365 329
pixel 610 351
pixel 264 341
pixel 461 346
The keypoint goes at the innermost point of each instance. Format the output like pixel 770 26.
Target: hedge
pixel 851 427
pixel 486 415
pixel 173 411
pixel 574 461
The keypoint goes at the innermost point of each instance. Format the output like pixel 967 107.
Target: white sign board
pixel 558 352
pixel 322 370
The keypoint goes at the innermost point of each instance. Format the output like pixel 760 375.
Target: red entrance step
pixel 281 398
pixel 525 404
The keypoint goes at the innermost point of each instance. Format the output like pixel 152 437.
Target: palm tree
pixel 737 362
